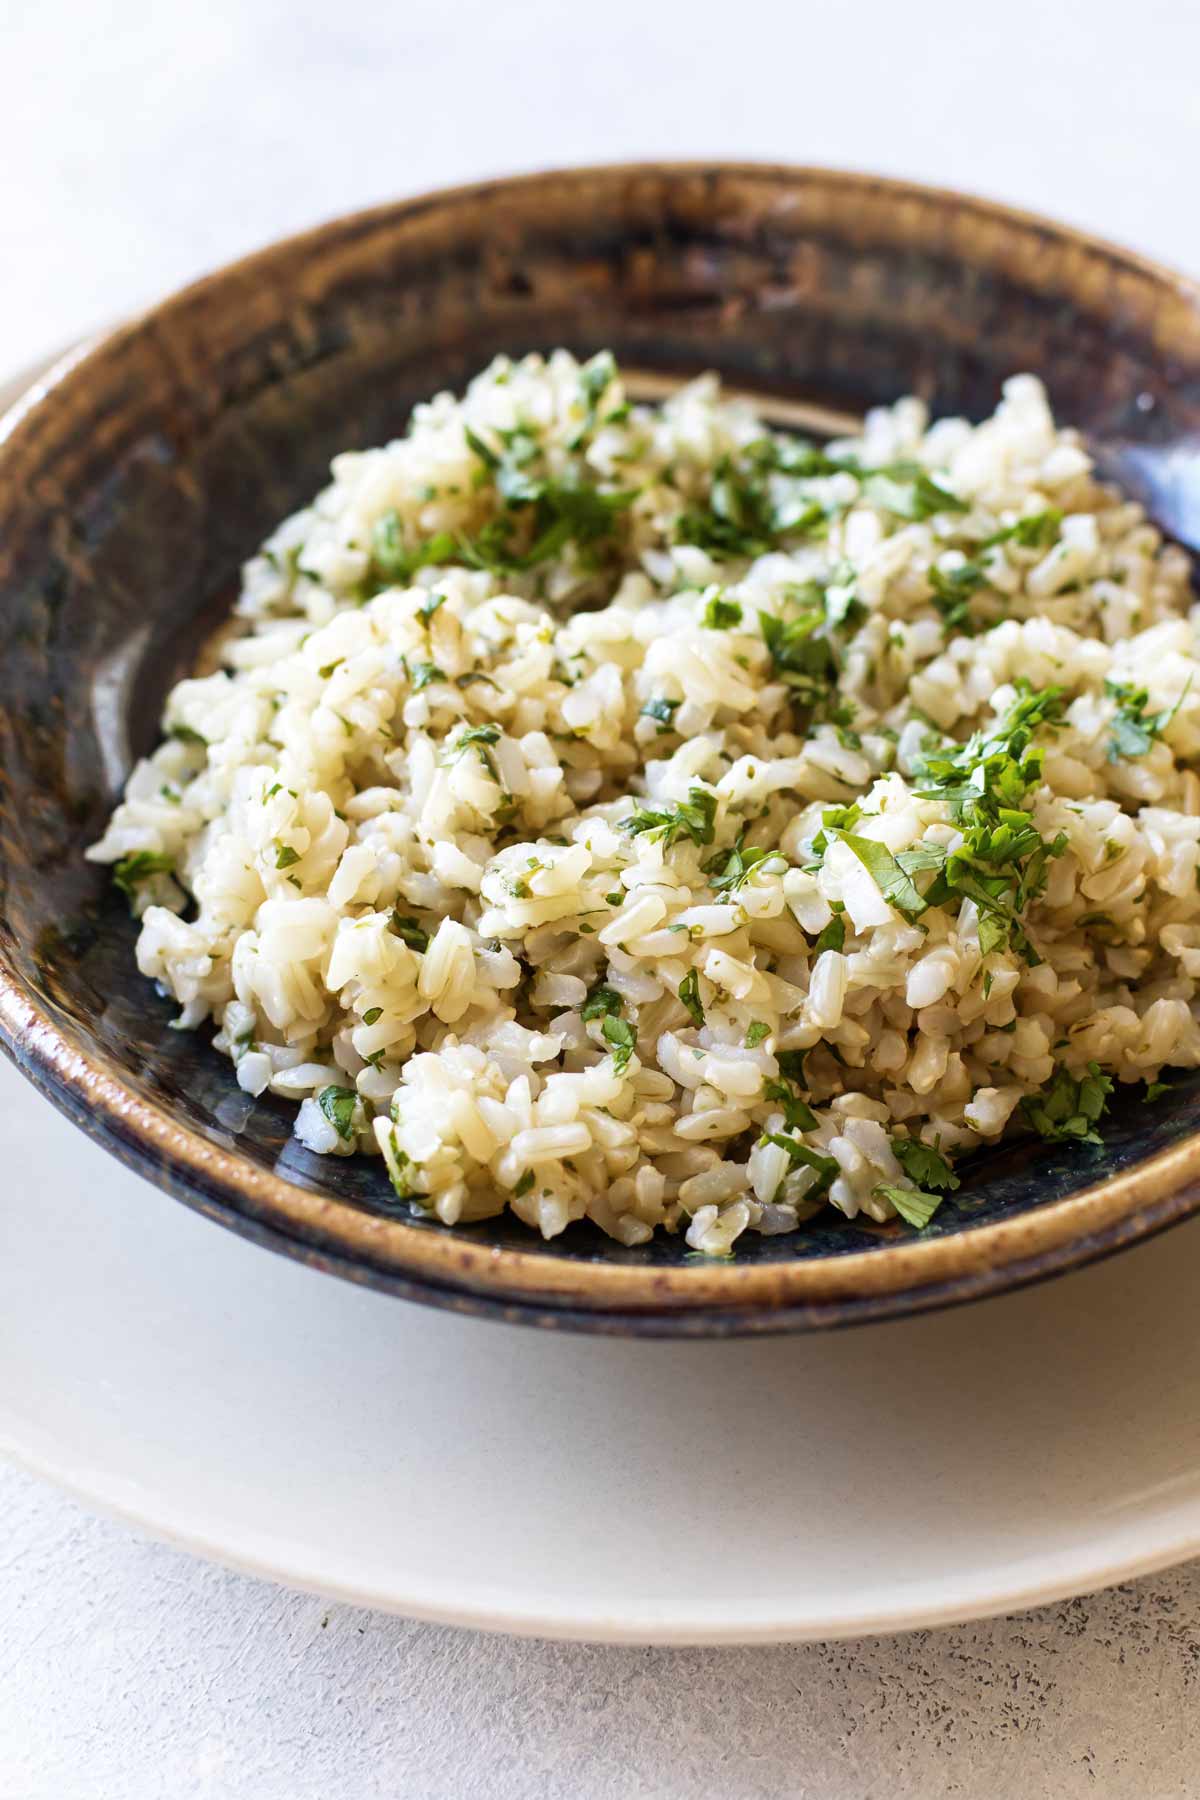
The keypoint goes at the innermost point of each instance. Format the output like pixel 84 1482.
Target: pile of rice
pixel 630 813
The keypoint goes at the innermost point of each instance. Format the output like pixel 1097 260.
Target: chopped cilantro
pixel 662 710
pixel 338 1105
pixel 833 937
pixel 897 887
pixel 186 735
pixel 523 1186
pixel 756 1031
pixel 952 593
pixel 328 668
pixel 915 1207
pixel 285 856
pixel 689 995
pixel 693 817
pixel 802 1156
pixel 423 673
pixel 721 615
pixel 1069 1107
pixel 1035 531
pixel 1133 728
pixel 622 1039
pixel 910 492
pixel 798 1114
pixel 1156 1089
pixel 139 866
pixel 409 930
pixel 801 655
pixel 728 870
pixel 602 1003
pixel 484 452
pixel 923 1164
pixel 372 1014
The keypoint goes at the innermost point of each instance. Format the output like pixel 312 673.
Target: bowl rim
pixel 446 1268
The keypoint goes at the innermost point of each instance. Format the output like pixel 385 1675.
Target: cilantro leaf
pixel 728 870
pixel 798 1114
pixel 897 888
pixel 910 492
pixel 1070 1106
pixel 1035 531
pixel 409 930
pixel 915 1207
pixel 756 1031
pixel 622 1039
pixel 139 866
pixel 923 1164
pixel 602 1003
pixel 423 674
pixel 689 995
pixel 721 615
pixel 833 937
pixel 1134 729
pixel 693 817
pixel 662 710
pixel 952 593
pixel 338 1103
pixel 285 856
pixel 802 1156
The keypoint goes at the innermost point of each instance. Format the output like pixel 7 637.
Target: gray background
pixel 143 143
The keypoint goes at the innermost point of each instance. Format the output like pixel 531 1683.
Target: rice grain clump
pixel 631 813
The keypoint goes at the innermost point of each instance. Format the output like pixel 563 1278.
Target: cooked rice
pixel 575 819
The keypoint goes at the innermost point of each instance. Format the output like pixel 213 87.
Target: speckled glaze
pixel 139 474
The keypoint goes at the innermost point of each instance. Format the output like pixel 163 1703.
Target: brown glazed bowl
pixel 135 479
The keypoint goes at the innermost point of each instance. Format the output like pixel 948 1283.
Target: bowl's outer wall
pixel 130 496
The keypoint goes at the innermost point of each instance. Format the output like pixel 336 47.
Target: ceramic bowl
pixel 139 474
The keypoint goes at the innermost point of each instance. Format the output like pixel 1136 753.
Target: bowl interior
pixel 132 492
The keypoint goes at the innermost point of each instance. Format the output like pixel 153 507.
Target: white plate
pixel 302 1428
pixel 298 1427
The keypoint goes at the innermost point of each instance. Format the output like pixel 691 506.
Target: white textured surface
pixel 142 143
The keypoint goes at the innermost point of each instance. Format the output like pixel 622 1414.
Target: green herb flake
pixel 409 930
pixel 721 615
pixel 285 856
pixel 186 735
pixel 1035 531
pixel 833 937
pixel 689 997
pixel 1156 1089
pixel 952 593
pixel 328 668
pixel 662 710
pixel 622 1039
pixel 693 817
pixel 523 1186
pixel 797 1113
pixel 1134 729
pixel 914 1207
pixel 802 1156
pixel 923 1164
pixel 897 888
pixel 1069 1106
pixel 727 871
pixel 756 1031
pixel 602 1003
pixel 373 1013
pixel 139 866
pixel 423 674
pixel 910 492
pixel 338 1103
